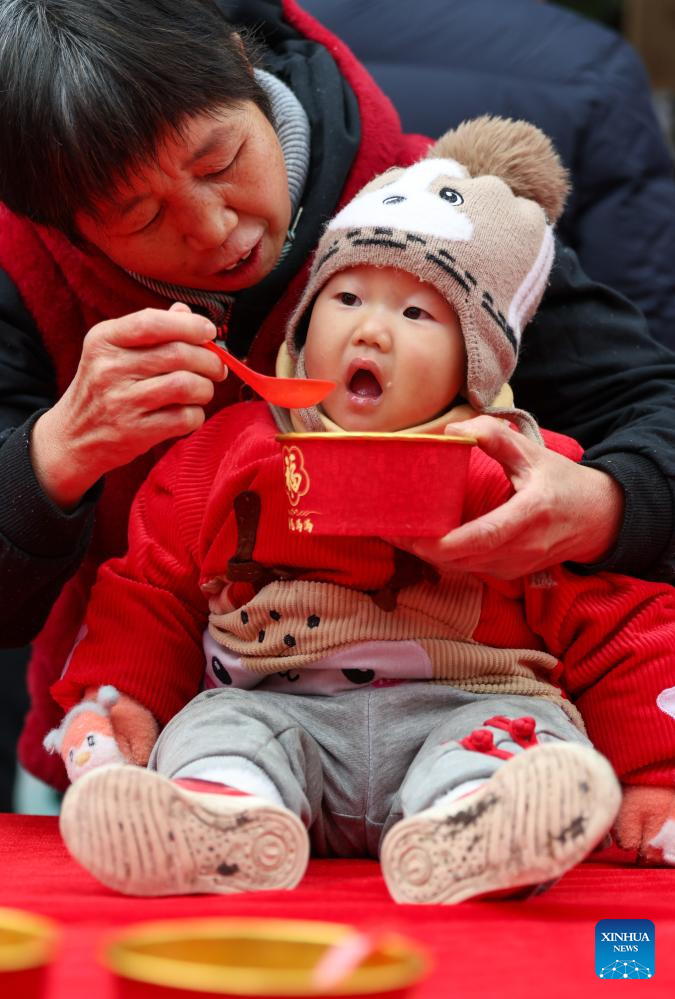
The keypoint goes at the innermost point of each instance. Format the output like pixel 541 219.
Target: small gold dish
pixel 254 958
pixel 27 945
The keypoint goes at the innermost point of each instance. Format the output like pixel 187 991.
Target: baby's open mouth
pixel 365 384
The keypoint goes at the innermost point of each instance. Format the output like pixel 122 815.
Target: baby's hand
pixel 105 728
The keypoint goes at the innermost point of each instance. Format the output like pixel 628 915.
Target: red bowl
pixel 386 485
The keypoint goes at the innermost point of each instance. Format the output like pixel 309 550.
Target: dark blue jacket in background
pixel 442 61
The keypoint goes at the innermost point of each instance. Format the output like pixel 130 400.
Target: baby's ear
pixel 517 152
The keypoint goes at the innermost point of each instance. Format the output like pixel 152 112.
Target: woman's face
pixel 211 211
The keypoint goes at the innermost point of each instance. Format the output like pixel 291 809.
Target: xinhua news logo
pixel 624 948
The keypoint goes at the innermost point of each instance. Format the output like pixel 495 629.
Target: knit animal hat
pixel 474 220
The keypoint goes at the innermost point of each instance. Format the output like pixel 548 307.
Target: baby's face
pixel 392 343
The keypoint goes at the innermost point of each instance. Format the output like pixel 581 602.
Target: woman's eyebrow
pixel 214 141
pixel 124 207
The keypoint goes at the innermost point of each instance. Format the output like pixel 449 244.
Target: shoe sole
pixel 538 816
pixel 141 834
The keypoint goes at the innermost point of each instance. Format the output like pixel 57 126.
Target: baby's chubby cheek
pixel 330 405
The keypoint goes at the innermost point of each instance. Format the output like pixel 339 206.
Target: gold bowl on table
pixel 263 958
pixel 27 945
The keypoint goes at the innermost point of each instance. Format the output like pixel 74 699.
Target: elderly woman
pixel 162 179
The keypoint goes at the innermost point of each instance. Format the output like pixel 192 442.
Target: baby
pixel 353 695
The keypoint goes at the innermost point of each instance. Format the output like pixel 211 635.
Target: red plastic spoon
pixel 291 393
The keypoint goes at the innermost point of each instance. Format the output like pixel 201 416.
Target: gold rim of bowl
pixel 366 435
pixel 26 940
pixel 123 955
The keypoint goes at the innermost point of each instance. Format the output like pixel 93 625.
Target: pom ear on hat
pixel 516 152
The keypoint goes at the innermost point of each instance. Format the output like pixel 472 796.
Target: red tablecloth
pixel 540 948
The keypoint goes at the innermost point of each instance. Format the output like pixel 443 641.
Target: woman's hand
pixel 561 511
pixel 142 379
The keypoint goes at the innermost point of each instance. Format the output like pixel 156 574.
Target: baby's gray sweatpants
pixel 353 763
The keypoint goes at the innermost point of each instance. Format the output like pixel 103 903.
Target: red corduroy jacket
pixel 613 636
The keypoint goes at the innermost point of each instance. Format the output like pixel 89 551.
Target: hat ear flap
pixel 515 151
